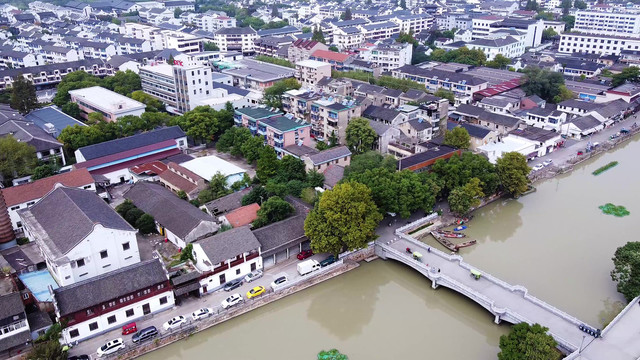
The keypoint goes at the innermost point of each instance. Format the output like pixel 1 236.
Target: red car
pixel 580 152
pixel 305 254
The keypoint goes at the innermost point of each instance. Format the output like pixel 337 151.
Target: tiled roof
pixel 243 215
pixel 229 244
pixel 378 112
pixel 334 153
pixel 236 31
pixel 10 305
pixel 283 123
pixel 131 142
pixel 333 174
pixel 330 55
pixel 257 113
pixel 68 215
pixel 35 190
pixel 29 133
pixel 109 286
pixel 432 153
pixel 227 203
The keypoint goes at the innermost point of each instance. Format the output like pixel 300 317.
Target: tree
pixel 446 94
pixel 462 55
pixel 95 117
pixel 369 161
pixel 512 169
pixel 50 350
pixel 458 138
pixel 182 195
pixel 318 36
pixel 272 210
pixel 251 148
pixel 463 198
pixel 626 271
pixel 75 80
pixel 306 30
pixel 315 179
pixel 23 95
pixel 549 34
pixel 500 61
pixel 257 195
pixel 332 354
pixel 187 253
pixel 542 82
pixel 345 218
pixel 291 168
pixel 72 109
pixel 146 224
pixel 580 5
pixel 133 215
pixel 545 15
pixel 123 82
pixel 16 158
pixel 124 207
pixel 563 94
pixel 528 342
pixel 630 73
pixel 458 171
pixel 273 94
pixel 566 6
pixel 211 46
pixel 267 165
pixel 218 185
pixel 404 37
pixel 334 48
pixel 177 12
pixel 43 171
pixel 532 5
pixel 360 135
pixel 569 21
pixel 153 104
pixel 346 15
pixel 275 60
pixel 403 4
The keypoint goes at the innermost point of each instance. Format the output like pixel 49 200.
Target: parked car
pixel 253 276
pixel 308 266
pixel 278 282
pixel 232 300
pixel 129 328
pixel 145 334
pixel 111 347
pixel 305 254
pixel 201 313
pixel 175 322
pixel 256 291
pixel 538 167
pixel 547 162
pixel 328 261
pixel 79 357
pixel 580 152
pixel 233 284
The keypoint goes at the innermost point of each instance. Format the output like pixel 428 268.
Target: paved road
pixel 191 304
pixel 501 296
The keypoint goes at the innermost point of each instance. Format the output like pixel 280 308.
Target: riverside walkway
pixel 512 303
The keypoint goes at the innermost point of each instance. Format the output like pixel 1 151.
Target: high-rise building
pixel 607 23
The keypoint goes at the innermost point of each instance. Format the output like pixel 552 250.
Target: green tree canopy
pixel 146 224
pixel 549 34
pixel 123 82
pixel 369 161
pixel 500 61
pixel 458 137
pixel 272 210
pixel 273 94
pixel 71 109
pixel 23 95
pixel 532 5
pixel 529 342
pixel 251 148
pixel 446 94
pixel 360 135
pixel 626 271
pixel 276 61
pixel 153 104
pixel 332 354
pixel 257 195
pixel 50 350
pixel 580 5
pixel 318 36
pixel 16 158
pixel 211 46
pixel 315 179
pixel 346 15
pixel 544 83
pixel 631 73
pixel 463 198
pixel 458 171
pixel 44 171
pixel 291 168
pixel 462 55
pixel 345 218
pixel 74 80
pixel 334 48
pixel 267 165
pixel 513 170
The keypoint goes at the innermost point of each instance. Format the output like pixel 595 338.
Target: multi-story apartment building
pixel 454 21
pixel 414 23
pixel 106 102
pixel 51 74
pixel 58 54
pixel 213 22
pixel 389 56
pixel 330 117
pixel 183 42
pixel 596 44
pixel 100 240
pixel 347 37
pixel 310 72
pixel 379 31
pixel 298 103
pixel 506 46
pixel 236 39
pixel 270 45
pixel 302 49
pixel 461 84
pixel 182 85
pixel 532 28
pixel 10 59
pixel 481 26
pixel 607 23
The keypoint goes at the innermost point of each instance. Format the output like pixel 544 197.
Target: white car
pixel 279 281
pixel 537 167
pixel 253 276
pixel 547 162
pixel 232 300
pixel 176 322
pixel 111 347
pixel 201 313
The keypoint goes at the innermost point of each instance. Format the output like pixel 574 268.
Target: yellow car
pixel 256 291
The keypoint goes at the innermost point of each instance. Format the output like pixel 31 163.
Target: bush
pixel 146 224
pixel 22 241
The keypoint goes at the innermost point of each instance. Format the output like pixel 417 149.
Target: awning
pixel 186 289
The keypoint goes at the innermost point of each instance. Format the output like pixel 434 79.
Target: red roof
pixel 306 44
pixel 499 88
pixel 151 168
pixel 330 55
pixel 243 215
pixel 35 190
pixel 171 143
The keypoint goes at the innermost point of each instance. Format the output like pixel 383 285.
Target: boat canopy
pixel 475 272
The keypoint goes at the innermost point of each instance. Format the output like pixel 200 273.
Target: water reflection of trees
pixel 501 218
pixel 346 306
pixel 612 307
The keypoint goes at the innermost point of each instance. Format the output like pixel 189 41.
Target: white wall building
pixel 236 39
pixel 506 46
pixel 596 44
pixel 106 102
pixel 607 23
pixel 309 72
pixel 389 56
pixel 80 236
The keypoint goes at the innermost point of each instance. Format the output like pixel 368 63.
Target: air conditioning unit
pixel 49 128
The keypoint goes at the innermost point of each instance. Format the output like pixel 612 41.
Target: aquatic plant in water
pixel 614 210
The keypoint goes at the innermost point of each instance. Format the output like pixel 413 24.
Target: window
pixel 129 313
pixel 25 296
pixel 87 187
pixel 103 254
pixel 126 246
pixel 111 319
pixel 93 326
pixel 237 271
pixel 163 300
pixel 89 312
pixel 74 333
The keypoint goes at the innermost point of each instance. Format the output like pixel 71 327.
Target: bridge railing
pixel 418 222
pixel 497 281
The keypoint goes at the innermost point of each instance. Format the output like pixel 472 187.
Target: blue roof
pixel 52 115
pixel 38 283
pixel 131 142
pixel 231 89
pixel 280 31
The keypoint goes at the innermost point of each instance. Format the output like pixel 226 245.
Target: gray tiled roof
pixel 329 155
pixel 12 341
pixel 39 320
pixel 175 214
pixel 229 244
pixel 378 112
pixel 68 215
pixel 227 203
pixel 333 175
pixel 280 235
pixel 499 119
pixel 29 133
pixel 441 75
pixel 109 286
pixel 236 31
pixel 10 305
pixel 130 142
pixel 586 122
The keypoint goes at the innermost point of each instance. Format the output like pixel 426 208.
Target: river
pixel 556 242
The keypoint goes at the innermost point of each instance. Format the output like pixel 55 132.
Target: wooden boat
pixel 464 220
pixel 451 234
pixel 465 244
pixel 460 228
